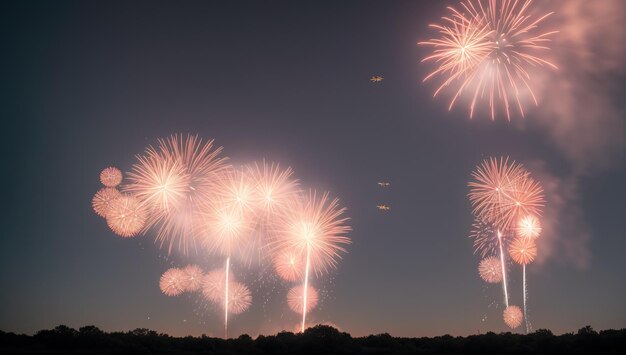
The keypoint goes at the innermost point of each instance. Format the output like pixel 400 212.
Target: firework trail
pixel 504 284
pixel 504 194
pixel 315 228
pixel 489 50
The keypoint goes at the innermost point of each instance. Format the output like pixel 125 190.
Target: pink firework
pixel 173 282
pixel 314 228
pixel 296 299
pixel 111 177
pixel 490 50
pixel 512 316
pixel 193 278
pixel 274 187
pixel 289 265
pixel 485 238
pixel 214 284
pixel 201 164
pixel 239 298
pixel 313 225
pixel 236 191
pixel 502 192
pixel 126 216
pixel 523 250
pixel 490 269
pixel 159 182
pixel 225 230
pixel 529 227
pixel 102 199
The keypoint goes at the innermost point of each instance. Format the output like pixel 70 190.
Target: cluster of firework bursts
pixel 194 201
pixel 486 51
pixel 507 205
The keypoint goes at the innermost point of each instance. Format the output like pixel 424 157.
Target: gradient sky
pixel 90 84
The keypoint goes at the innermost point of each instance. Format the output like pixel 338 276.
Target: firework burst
pixel 274 187
pixel 490 269
pixel 296 299
pixel 529 227
pixel 200 165
pixel 485 238
pixel 314 228
pixel 523 250
pixel 489 50
pixel 194 276
pixel 173 282
pixel 501 192
pixel 289 265
pixel 111 177
pixel 102 200
pixel 239 298
pixel 126 216
pixel 512 316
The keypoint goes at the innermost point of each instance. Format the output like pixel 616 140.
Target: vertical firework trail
pixel 525 296
pixel 306 285
pixel 506 293
pixel 226 299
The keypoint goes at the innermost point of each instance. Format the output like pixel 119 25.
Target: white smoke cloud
pixel 579 105
pixel 565 235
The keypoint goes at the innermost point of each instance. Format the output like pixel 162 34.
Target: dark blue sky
pixel 90 84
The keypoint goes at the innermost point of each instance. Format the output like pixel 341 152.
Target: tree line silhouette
pixel 321 339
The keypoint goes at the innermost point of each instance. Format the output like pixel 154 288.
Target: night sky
pixel 87 85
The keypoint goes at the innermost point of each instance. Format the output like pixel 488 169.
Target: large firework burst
pixel 194 276
pixel 502 192
pixel 489 50
pixel 176 179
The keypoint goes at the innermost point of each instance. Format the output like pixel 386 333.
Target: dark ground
pixel 317 340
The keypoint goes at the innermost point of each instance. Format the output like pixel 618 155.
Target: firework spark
pixel 111 177
pixel 490 270
pixel 512 316
pixel 126 216
pixel 485 238
pixel 523 250
pixel 489 50
pixel 193 278
pixel 289 265
pixel 296 299
pixel 159 182
pixel 173 282
pixel 102 200
pixel 529 227
pixel 199 164
pixel 273 186
pixel 502 192
pixel 314 228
